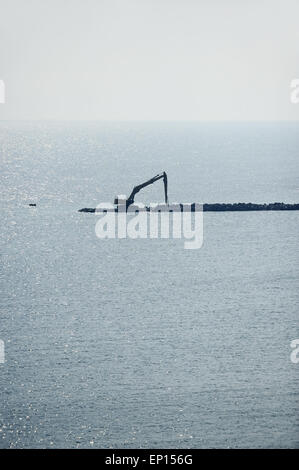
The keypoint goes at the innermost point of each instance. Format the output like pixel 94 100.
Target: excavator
pixel 119 200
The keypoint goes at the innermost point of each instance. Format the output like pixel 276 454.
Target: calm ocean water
pixel 140 343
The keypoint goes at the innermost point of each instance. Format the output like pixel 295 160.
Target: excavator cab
pixel 120 200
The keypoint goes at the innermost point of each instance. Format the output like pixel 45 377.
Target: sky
pixel 149 59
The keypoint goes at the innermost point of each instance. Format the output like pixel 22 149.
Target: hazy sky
pixel 149 59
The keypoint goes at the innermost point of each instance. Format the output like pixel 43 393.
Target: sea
pixel 140 343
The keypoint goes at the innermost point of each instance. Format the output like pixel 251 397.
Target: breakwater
pixel 216 207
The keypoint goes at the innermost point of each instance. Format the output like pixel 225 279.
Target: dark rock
pixel 87 209
pixel 236 207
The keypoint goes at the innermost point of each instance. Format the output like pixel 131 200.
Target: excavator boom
pixel 136 189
